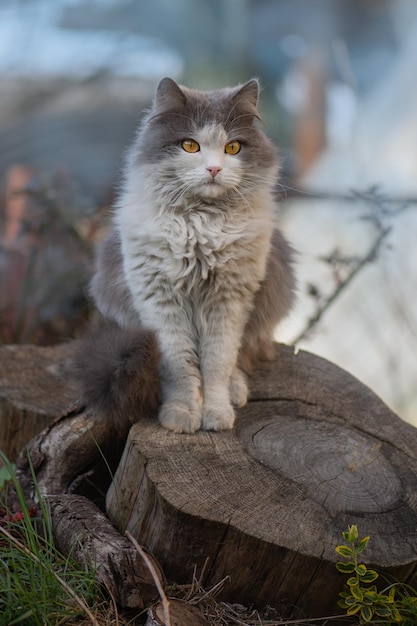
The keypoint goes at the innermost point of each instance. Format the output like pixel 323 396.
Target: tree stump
pixel 262 506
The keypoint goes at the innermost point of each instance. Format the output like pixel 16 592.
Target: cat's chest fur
pixel 199 243
pixel 186 247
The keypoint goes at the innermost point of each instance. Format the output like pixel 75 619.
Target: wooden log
pixel 313 452
pixel 263 505
pixel 74 454
pixel 83 532
pixel 69 449
pixel 34 390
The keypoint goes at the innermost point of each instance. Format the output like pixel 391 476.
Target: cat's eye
pixel 189 145
pixel 233 147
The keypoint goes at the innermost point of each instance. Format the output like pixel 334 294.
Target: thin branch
pixel 286 192
pixel 313 321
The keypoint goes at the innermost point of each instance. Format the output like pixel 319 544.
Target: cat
pixel 195 256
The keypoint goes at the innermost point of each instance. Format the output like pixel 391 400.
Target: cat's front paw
pixel 238 388
pixel 218 417
pixel 179 417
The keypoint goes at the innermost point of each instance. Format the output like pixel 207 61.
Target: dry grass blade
pixel 113 601
pixel 164 599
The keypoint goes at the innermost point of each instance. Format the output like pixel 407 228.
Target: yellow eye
pixel 233 147
pixel 189 145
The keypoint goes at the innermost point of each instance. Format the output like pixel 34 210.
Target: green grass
pixel 39 586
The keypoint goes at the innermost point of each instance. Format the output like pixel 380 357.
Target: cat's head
pixel 206 144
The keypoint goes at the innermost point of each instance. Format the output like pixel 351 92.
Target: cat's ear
pixel 246 98
pixel 168 96
pixel 250 92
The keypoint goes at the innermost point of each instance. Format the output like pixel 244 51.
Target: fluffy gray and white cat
pixel 194 255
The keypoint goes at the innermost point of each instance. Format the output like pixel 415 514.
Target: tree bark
pixel 85 533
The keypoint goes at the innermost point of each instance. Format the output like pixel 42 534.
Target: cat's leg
pixel 272 302
pixel 219 343
pixel 238 388
pixel 180 377
pixel 181 394
pixel 180 382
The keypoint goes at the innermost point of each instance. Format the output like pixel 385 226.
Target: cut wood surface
pixel 262 506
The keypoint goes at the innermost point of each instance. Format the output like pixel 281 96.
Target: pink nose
pixel 214 171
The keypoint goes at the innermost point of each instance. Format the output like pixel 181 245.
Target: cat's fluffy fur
pixel 117 371
pixel 194 254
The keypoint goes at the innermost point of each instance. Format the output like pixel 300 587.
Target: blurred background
pixel 339 98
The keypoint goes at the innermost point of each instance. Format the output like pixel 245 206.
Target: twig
pixel 286 192
pixel 164 599
pixel 342 286
pixel 62 582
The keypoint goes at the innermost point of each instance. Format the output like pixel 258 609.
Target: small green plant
pixel 396 604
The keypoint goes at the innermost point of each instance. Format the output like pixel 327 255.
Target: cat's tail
pixel 116 371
